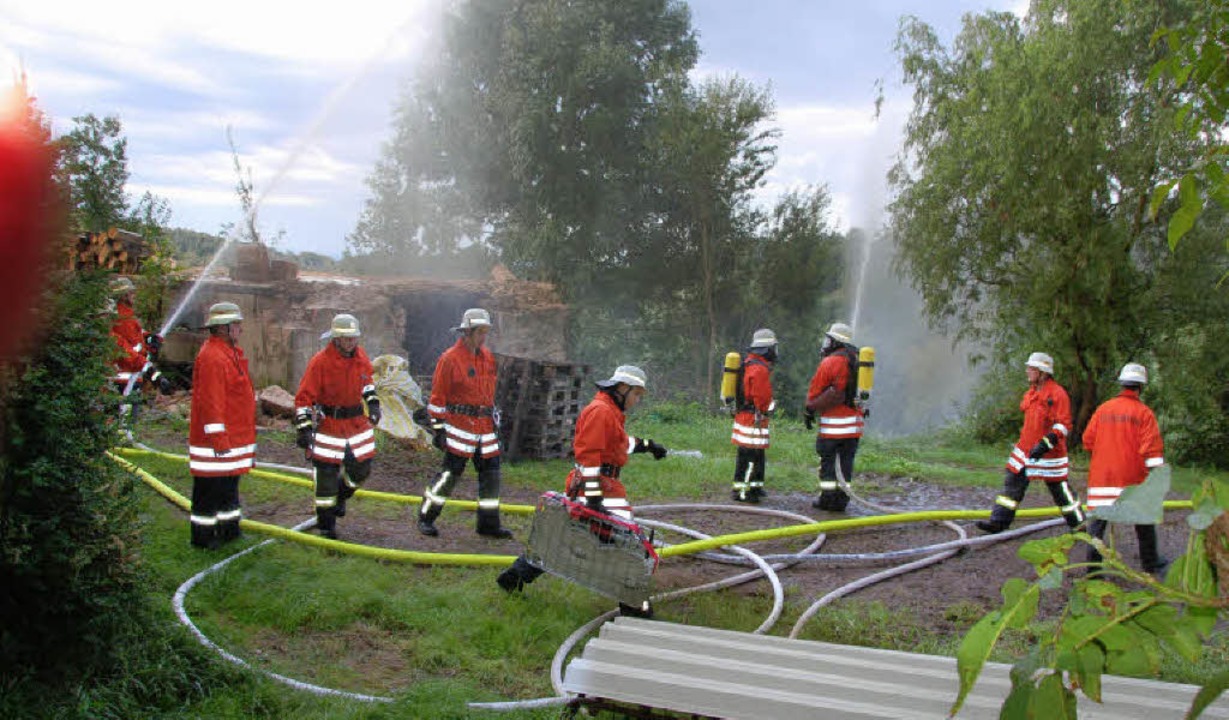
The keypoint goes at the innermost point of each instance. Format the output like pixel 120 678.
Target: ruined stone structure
pixel 286 310
pixel 411 317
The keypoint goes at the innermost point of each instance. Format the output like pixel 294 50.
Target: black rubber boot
pixel 991 527
pixel 205 536
pixel 326 522
pixel 426 527
pixel 510 580
pixel 832 501
pixel 644 611
pixel 1150 557
pixel 488 525
pixel 498 532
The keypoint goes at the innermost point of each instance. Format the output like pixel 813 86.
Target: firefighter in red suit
pixel 222 428
pixel 334 427
pixel 137 348
pixel 1041 451
pixel 831 398
pixel 753 406
pixel 601 446
pixel 1126 445
pixel 465 423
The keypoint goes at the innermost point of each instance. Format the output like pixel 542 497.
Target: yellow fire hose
pixel 431 558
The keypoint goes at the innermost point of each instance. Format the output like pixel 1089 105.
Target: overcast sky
pixel 308 93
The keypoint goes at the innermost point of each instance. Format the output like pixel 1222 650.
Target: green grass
pixel 435 638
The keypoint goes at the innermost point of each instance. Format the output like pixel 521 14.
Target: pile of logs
pixel 114 249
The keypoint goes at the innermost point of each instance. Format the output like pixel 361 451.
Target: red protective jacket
pixel 840 422
pixel 463 396
pixel 223 416
pixel 1046 409
pixel 751 420
pixel 1125 443
pixel 130 338
pixel 601 446
pixel 338 383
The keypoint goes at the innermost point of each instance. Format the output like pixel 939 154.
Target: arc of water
pixel 305 140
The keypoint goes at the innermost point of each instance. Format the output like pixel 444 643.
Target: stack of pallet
pixel 540 402
pixel 114 249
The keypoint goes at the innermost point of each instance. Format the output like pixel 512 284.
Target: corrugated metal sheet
pixel 720 673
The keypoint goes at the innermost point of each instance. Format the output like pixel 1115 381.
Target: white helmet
pixel 121 286
pixel 627 374
pixel 344 325
pixel 1042 362
pixel 1133 374
pixel 763 338
pixel 840 332
pixel 474 317
pixel 223 313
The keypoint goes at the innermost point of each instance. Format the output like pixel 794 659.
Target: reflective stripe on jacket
pixel 1125 442
pixel 223 414
pixel 466 379
pixel 751 426
pixel 842 421
pixel 1046 409
pixel 334 380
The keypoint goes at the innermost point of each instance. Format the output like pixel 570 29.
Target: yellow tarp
pixel 400 396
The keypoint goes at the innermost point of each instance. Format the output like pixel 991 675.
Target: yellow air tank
pixel 729 377
pixel 866 373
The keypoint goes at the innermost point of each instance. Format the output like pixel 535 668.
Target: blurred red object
pixel 28 224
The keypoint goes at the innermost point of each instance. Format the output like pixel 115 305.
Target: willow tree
pixel 1022 196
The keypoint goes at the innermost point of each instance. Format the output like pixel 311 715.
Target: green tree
pixel 1032 152
pixel 526 133
pixel 696 257
pixel 1194 75
pixel 93 172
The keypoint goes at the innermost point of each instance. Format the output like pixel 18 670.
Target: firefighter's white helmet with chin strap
pixel 840 332
pixel 1042 362
pixel 1133 374
pixel 223 313
pixel 344 325
pixel 763 338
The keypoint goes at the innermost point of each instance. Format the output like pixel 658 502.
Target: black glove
pixel 421 417
pixel 305 437
pixel 373 411
pixel 658 450
pixel 595 504
pixel 164 385
pixel 439 438
pixel 1043 446
pixel 808 419
pixel 153 342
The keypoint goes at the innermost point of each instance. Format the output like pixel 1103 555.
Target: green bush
pixel 79 634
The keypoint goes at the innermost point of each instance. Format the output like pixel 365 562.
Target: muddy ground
pixel 940 597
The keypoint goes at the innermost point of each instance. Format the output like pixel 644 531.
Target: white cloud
pixel 325 33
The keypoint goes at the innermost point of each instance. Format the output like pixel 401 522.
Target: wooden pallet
pixel 540 402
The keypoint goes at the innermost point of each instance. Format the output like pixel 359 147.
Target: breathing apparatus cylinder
pixel 866 374
pixel 729 378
